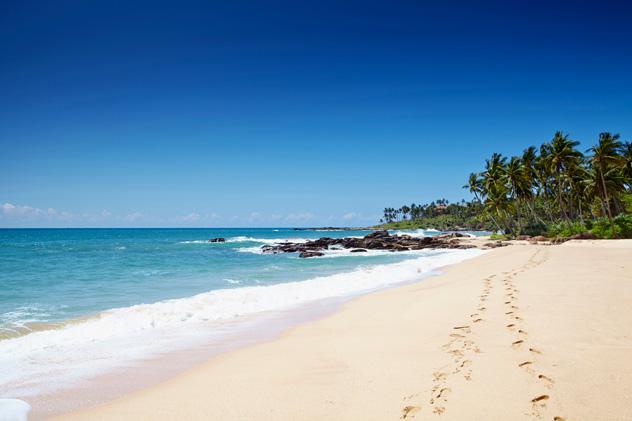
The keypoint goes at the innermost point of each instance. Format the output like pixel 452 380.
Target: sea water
pixel 75 303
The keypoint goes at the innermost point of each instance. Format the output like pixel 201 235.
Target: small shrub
pixel 533 228
pixel 622 225
pixel 566 229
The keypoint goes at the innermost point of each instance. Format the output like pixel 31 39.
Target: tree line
pixel 556 183
pixel 552 189
pixel 414 211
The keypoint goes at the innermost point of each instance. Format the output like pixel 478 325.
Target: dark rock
pixel 496 244
pixel 217 240
pixel 538 238
pixel 378 240
pixel 378 234
pixel 523 237
pixel 306 254
pixel 450 235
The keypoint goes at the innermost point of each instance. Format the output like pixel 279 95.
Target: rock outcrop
pixel 378 240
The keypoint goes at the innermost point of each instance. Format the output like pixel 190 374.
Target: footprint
pixel 439 376
pixel 517 344
pixel 549 381
pixel 442 394
pixel 461 327
pixel 535 351
pixel 477 320
pixel 456 352
pixel 438 410
pixel 463 366
pixel 408 411
pixel 511 326
pixel 540 398
pixel 525 363
pixel 558 419
pixel 522 332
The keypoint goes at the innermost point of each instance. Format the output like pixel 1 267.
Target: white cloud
pixel 299 217
pixel 350 215
pixel 21 212
pixel 254 217
pixel 192 217
pixel 133 217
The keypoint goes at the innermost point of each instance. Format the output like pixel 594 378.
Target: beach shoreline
pixel 544 329
pixel 228 335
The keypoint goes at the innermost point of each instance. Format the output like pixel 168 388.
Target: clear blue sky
pixel 295 113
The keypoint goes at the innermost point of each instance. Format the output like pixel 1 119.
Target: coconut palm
pixel 474 185
pixel 560 155
pixel 497 203
pixel 605 162
pixel 627 164
pixel 404 211
pixel 494 172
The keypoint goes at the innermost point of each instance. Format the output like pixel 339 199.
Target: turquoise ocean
pixel 75 303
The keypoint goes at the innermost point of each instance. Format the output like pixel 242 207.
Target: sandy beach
pixel 522 332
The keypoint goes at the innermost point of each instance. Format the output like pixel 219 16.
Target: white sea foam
pixel 244 239
pixel 253 250
pixel 419 233
pixel 44 361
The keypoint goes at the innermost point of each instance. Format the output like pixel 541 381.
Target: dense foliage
pixel 554 190
pixel 440 214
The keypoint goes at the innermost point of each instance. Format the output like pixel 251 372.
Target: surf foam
pixel 45 361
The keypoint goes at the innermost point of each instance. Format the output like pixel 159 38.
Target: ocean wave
pixel 418 233
pixel 44 361
pixel 244 239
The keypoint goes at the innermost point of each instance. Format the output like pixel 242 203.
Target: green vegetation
pixel 555 190
pixel 439 214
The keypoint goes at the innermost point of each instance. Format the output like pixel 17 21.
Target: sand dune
pixel 523 332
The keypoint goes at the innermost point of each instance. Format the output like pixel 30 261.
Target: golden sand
pixel 522 332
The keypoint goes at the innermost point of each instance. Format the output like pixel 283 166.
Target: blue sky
pixel 288 113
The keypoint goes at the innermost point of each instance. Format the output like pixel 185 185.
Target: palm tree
pixel 474 185
pixel 605 157
pixel 497 203
pixel 404 210
pixel 516 182
pixel 529 161
pixel 494 171
pixel 627 164
pixel 561 154
pixel 575 176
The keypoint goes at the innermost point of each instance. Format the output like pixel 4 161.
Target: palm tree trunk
pixel 605 193
pixel 581 213
pixel 532 210
pixel 559 198
pixel 495 222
